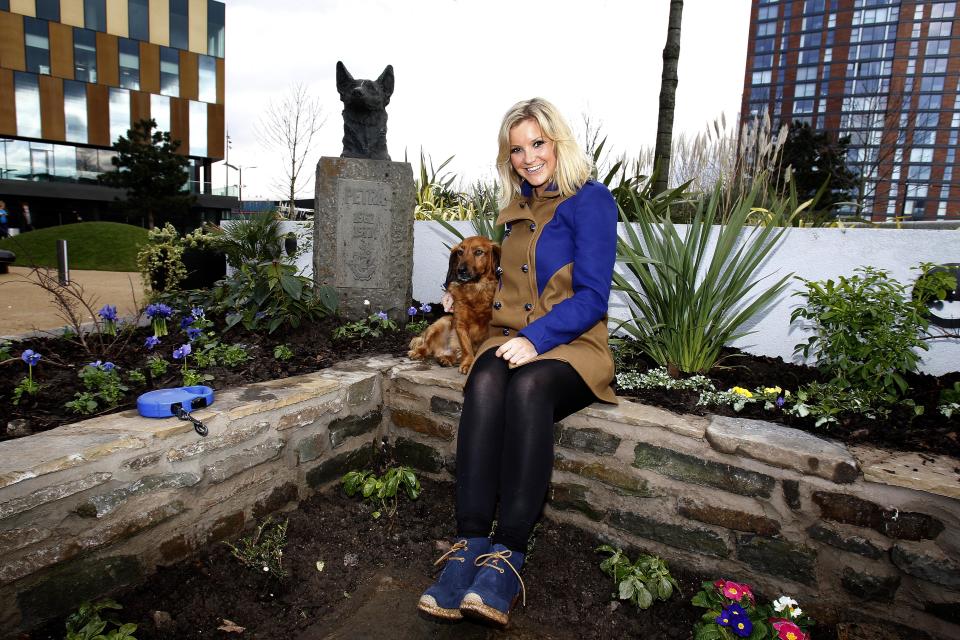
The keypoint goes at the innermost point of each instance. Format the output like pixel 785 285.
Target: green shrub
pixel 160 259
pixel 86 623
pixel 382 491
pixel 104 389
pixel 263 551
pixel 282 352
pixel 642 582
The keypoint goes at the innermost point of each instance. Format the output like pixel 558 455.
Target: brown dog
pixel 472 281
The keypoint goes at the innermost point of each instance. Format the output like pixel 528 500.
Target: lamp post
pixel 240 171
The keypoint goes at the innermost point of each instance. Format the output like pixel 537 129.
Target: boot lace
pixel 458 546
pixel 490 560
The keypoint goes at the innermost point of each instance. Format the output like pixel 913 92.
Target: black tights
pixel 505 443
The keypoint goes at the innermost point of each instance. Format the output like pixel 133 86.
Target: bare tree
pixel 668 97
pixel 291 124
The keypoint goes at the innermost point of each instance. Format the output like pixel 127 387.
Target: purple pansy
pixel 182 352
pixel 425 307
pixel 108 312
pixel 151 342
pixel 382 315
pixel 193 333
pixel 412 311
pixel 31 357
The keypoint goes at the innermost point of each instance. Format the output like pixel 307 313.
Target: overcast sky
pixel 460 64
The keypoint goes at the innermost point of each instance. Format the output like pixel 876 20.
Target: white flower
pixel 784 602
pixel 366 303
pixel 795 613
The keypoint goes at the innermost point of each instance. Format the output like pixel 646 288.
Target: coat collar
pixel 515 211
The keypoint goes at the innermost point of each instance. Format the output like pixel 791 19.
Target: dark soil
pixel 930 432
pixel 314 348
pixel 374 572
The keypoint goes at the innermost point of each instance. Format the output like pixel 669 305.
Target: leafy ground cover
pixel 353 576
pixel 98 246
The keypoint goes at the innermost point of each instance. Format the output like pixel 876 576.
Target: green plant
pixel 5 353
pixel 732 612
pixel 374 326
pixel 263 551
pixel 867 329
pixel 282 352
pixel 693 296
pixel 104 388
pixel 86 623
pixel 192 377
pixel 640 582
pixel 157 366
pixel 160 259
pixel 272 294
pixel 381 491
pixel 27 385
pixel 232 355
pixel 949 401
pixel 136 377
pixel 249 240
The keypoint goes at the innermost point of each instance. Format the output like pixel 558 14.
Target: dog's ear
pixel 452 267
pixel 386 83
pixel 345 81
pixel 495 252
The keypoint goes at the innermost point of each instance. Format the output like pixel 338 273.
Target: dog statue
pixel 365 113
pixel 472 282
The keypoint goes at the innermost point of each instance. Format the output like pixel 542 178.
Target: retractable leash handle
pixel 177 402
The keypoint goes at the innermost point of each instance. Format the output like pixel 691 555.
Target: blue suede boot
pixel 497 587
pixel 443 598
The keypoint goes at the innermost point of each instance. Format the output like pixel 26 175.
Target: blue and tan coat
pixel 556 273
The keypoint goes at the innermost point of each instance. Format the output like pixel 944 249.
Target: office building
pixel 76 74
pixel 883 72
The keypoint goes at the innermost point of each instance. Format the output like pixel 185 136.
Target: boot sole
pixel 429 606
pixel 474 606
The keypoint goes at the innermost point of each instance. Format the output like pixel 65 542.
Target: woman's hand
pixel 447 301
pixel 517 351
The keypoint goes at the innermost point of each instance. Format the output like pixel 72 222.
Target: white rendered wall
pixel 815 254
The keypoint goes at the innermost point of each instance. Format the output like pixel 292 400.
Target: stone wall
pixel 848 531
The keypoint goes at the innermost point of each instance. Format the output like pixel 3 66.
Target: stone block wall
pixel 849 531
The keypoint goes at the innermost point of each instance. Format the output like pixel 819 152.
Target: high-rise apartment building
pixel 883 72
pixel 76 74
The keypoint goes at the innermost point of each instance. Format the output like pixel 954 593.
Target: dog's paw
pixel 446 360
pixel 465 364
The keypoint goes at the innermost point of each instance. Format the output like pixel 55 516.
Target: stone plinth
pixel 363 234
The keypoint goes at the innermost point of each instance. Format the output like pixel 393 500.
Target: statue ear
pixel 386 83
pixel 345 81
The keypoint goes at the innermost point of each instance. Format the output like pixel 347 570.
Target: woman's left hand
pixel 517 351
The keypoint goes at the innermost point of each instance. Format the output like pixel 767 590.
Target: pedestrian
pixel 26 218
pixel 546 357
pixel 4 220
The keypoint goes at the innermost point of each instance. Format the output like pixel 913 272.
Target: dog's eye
pixel 459 252
pixel 478 252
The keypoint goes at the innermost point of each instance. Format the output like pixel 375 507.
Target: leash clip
pixel 183 414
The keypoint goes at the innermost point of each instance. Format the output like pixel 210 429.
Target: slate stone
pixel 900 525
pixel 422 424
pixel 66 587
pixel 226 527
pixel 278 498
pixel 50 493
pixel 445 407
pixel 853 544
pixel 574 497
pixel 363 235
pixel 622 482
pixel 308 416
pixel 592 441
pixel 142 462
pixel 175 549
pixel 223 470
pixel 15 539
pixel 335 467
pixel 231 438
pixel 779 558
pixel 938 569
pixel 688 468
pixel 312 447
pixel 949 611
pixel 728 518
pixel 343 429
pixel 361 392
pixel 791 494
pixel 869 587
pixel 696 540
pixel 417 455
pixel 106 503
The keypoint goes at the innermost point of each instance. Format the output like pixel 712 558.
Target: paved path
pixel 26 307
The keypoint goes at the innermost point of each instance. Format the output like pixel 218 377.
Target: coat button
pixel 533 226
pixel 506 332
pixel 528 306
pixel 497 304
pixel 524 268
pixel 523 205
pixel 499 271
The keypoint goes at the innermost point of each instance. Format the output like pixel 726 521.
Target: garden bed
pixel 373 573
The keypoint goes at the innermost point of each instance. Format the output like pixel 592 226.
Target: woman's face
pixel 532 155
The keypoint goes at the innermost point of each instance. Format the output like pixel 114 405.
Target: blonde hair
pixel 573 165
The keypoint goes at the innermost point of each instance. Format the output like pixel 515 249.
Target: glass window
pixel 813 6
pixel 928 101
pixel 809 56
pixel 64 161
pixel 806 73
pixel 138 13
pixel 938 47
pixel 812 23
pixel 47 10
pixel 129 64
pixel 935 65
pixel 763 62
pixel 27 97
pixel 160 111
pixel 921 155
pixel 198 128
pixel 943 9
pixel 215 24
pixel 169 72
pixel 810 40
pixel 84 55
pixel 932 83
pixel 803 106
pixel 760 93
pixel 88 167
pixel 766 29
pixel 179 24
pixel 37 39
pixel 939 29
pixel 761 77
pixel 75 110
pixel 763 45
pixel 119 113
pixel 208 78
pixel 919 172
pixel 806 90
pixel 95 14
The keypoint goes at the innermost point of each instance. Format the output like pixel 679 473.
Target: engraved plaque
pixel 363 233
